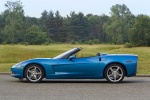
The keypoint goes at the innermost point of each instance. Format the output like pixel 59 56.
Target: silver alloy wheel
pixel 115 73
pixel 34 74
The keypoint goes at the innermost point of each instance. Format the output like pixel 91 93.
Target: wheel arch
pixel 115 63
pixel 35 64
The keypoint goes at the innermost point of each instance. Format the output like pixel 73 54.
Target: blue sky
pixel 34 8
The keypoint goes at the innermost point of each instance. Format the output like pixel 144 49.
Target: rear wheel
pixel 114 73
pixel 34 73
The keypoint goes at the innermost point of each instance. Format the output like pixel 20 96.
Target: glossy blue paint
pixel 66 66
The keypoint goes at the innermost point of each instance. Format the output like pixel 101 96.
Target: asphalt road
pixel 134 88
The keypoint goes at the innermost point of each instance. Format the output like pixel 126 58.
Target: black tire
pixel 114 73
pixel 34 73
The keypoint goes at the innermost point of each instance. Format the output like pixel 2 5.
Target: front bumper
pixel 17 73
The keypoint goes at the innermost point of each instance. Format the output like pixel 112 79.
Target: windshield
pixel 67 53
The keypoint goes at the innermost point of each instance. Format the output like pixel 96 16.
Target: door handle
pixel 100 59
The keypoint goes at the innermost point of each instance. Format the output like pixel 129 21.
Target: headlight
pixel 18 65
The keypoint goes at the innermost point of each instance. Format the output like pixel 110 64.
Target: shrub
pixel 96 41
pixel 73 42
pixel 25 43
pixel 4 43
pixel 90 42
pixel 79 42
pixel 46 43
pixel 128 45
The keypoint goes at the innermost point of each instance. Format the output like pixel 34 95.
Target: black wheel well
pixel 115 63
pixel 35 64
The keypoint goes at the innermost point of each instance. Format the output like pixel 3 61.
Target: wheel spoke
pixel 30 71
pixel 110 75
pixel 38 73
pixel 35 77
pixel 111 69
pixel 115 78
pixel 119 75
pixel 30 76
pixel 117 69
pixel 35 69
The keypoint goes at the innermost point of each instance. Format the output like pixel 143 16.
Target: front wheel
pixel 34 73
pixel 114 73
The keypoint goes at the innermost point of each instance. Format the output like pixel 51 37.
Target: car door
pixel 79 67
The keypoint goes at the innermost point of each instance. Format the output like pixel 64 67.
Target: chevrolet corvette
pixel 112 67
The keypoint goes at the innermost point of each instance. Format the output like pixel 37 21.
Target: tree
pixel 95 26
pixel 35 35
pixel 121 27
pixel 59 34
pixel 54 25
pixel 2 25
pixel 118 24
pixel 14 22
pixel 43 21
pixel 78 27
pixel 140 32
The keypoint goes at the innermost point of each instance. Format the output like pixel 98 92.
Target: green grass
pixel 11 54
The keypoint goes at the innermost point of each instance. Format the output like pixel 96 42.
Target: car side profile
pixel 112 67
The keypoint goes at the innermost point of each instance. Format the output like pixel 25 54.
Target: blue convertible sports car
pixel 112 67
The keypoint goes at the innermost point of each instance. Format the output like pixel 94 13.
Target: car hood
pixel 36 60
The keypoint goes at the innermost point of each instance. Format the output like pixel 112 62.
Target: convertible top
pixel 67 54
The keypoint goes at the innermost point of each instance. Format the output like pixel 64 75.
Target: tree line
pixel 119 28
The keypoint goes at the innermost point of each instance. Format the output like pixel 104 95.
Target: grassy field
pixel 11 54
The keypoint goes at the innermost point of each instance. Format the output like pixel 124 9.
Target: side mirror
pixel 71 57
